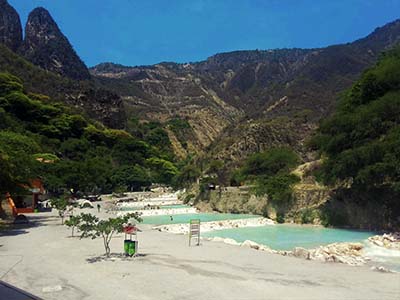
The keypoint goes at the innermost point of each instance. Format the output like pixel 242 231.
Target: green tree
pixel 61 204
pixel 270 162
pixel 92 227
pixel 88 157
pixel 360 142
pixel 189 174
pixel 17 162
pixel 270 172
pixel 163 171
pixel 73 222
pixel 132 177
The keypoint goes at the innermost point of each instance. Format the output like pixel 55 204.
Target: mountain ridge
pixel 48 64
pixel 256 85
pixel 377 30
pixel 10 26
pixel 46 46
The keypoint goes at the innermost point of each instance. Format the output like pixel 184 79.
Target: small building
pixel 28 201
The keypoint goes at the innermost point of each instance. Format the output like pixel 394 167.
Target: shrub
pixel 280 218
pixel 92 227
pixel 61 204
pixel 308 215
pixel 73 222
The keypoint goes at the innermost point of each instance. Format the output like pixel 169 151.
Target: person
pixel 98 207
pixel 171 218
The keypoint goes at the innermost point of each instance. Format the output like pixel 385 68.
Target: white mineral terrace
pixel 138 200
pixel 160 212
pixel 216 225
pixel 143 204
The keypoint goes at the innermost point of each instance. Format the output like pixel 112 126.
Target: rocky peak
pixel 10 26
pixel 382 38
pixel 47 47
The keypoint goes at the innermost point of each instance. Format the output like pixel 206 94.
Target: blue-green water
pixel 174 206
pixel 161 207
pixel 286 237
pixel 185 218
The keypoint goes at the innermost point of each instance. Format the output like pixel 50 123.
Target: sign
pixel 130 229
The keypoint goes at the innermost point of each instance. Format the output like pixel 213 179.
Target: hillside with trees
pixel 43 139
pixel 360 143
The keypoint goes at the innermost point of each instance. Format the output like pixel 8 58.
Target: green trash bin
pixel 130 247
pixel 126 246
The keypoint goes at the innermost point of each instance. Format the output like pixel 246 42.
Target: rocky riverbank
pixel 346 253
pixel 216 225
pixel 388 241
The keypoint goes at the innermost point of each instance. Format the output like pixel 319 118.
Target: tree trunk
pixel 106 246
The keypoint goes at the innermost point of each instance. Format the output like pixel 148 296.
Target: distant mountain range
pixel 245 101
pixel 236 103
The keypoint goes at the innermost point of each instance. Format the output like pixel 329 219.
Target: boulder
pixel 250 244
pixel 231 242
pixel 301 252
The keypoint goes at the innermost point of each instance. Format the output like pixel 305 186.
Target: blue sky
pixel 140 32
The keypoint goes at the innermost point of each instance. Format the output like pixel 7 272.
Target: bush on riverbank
pixel 270 172
pixel 361 140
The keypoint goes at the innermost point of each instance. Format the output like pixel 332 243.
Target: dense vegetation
pixel 35 79
pixel 360 143
pixel 97 103
pixel 40 138
pixel 270 171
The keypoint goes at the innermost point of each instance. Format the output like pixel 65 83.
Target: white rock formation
pixel 388 241
pixel 216 225
pixel 161 212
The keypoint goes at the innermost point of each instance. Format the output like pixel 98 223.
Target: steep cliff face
pixel 10 26
pixel 47 47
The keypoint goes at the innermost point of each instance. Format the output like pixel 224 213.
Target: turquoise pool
pixel 161 207
pixel 185 218
pixel 286 237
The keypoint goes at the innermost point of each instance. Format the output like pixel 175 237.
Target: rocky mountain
pixel 97 103
pixel 169 91
pixel 245 101
pixel 226 107
pixel 54 68
pixel 10 26
pixel 47 47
